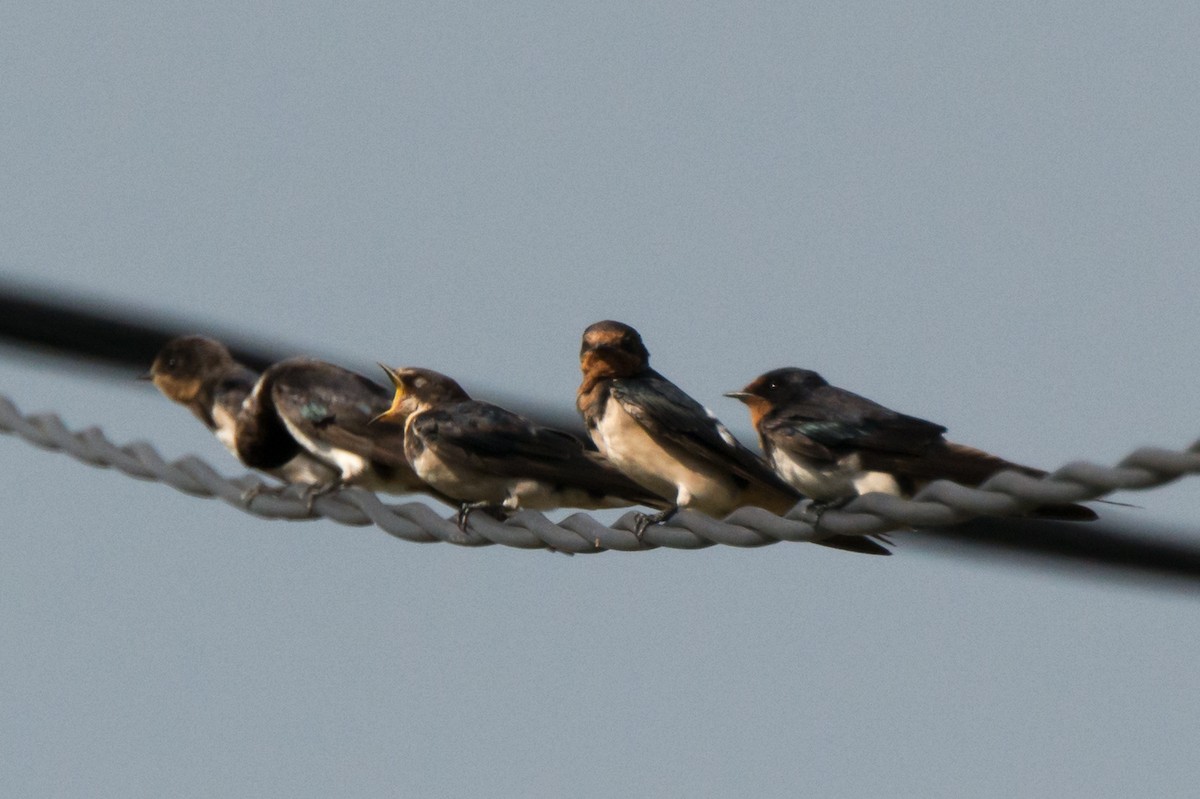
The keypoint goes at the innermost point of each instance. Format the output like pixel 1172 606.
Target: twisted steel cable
pixel 941 503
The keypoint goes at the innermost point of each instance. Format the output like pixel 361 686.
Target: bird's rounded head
pixel 185 364
pixel 613 349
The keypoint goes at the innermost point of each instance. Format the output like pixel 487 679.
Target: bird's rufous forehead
pixel 756 385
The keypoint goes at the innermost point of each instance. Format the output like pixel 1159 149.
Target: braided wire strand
pixel 940 503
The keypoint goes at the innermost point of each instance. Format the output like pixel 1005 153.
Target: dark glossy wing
pixel 490 439
pixel 968 466
pixel 956 462
pixel 792 435
pixel 832 421
pixel 335 406
pixel 669 414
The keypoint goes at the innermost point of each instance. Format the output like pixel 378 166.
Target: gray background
pixel 984 216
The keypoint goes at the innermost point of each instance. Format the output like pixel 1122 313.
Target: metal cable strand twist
pixel 940 503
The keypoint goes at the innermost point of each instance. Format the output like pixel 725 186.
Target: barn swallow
pixel 489 458
pixel 302 405
pixel 670 444
pixel 833 445
pixel 200 374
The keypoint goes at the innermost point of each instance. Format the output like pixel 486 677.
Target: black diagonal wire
pixel 1119 545
pixel 124 338
pixel 120 337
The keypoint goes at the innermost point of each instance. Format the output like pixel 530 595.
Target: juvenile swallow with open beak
pixel 201 374
pixel 668 442
pixel 833 445
pixel 486 457
pixel 302 405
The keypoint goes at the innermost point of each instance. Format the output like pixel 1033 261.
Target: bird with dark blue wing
pixel 486 457
pixel 668 442
pixel 311 407
pixel 201 374
pixel 833 444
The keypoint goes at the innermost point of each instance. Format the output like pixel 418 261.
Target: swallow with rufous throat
pixel 668 442
pixel 489 458
pixel 201 374
pixel 834 445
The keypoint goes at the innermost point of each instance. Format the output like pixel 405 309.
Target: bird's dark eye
pixel 171 362
pixel 774 384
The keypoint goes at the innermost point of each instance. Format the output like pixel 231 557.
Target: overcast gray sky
pixel 986 216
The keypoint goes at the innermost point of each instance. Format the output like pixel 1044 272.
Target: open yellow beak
pixel 393 414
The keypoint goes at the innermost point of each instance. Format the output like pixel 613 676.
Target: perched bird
pixel 486 457
pixel 302 405
pixel 669 443
pixel 200 374
pixel 833 445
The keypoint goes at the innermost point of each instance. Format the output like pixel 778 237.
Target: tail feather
pixel 855 543
pixel 1065 512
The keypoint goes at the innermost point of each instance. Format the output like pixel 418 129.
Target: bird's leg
pixel 260 489
pixel 311 491
pixel 644 520
pixel 465 510
pixel 820 508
